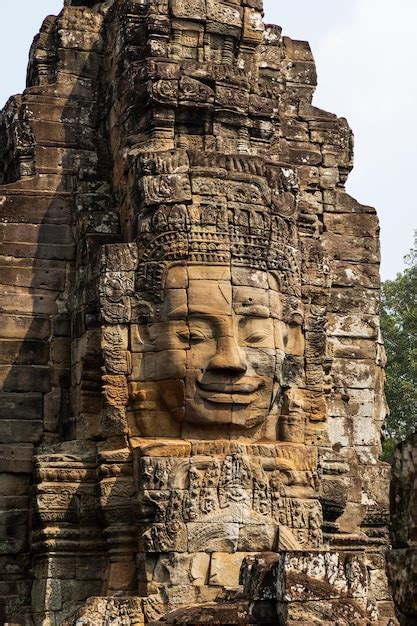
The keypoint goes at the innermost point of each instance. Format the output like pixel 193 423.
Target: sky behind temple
pixel 366 54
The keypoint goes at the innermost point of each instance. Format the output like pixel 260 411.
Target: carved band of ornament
pixel 279 176
pixel 113 471
pixel 56 492
pixel 69 515
pixel 195 90
pixel 116 485
pixel 237 167
pixel 67 532
pixel 106 457
pixel 51 474
pixel 63 461
pixel 156 163
pixel 288 455
pixel 68 546
pixel 219 72
pixel 151 275
pixel 171 235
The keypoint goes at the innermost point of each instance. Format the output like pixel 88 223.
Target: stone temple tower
pixel 191 364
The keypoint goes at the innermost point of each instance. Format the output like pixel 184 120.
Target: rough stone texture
pixel 191 362
pixel 402 559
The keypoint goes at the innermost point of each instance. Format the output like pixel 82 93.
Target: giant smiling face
pixel 218 347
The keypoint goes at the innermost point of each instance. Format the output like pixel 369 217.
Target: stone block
pixel 225 568
pixel 358 225
pixel 60 350
pixel 90 566
pixel 303 72
pixel 257 537
pixel 14 485
pixel 354 375
pixel 303 153
pixel 40 251
pixel 253 26
pixel 345 248
pixel 46 595
pixel 56 567
pixel 24 327
pixel 23 352
pixel 16 458
pixel 42 275
pixel 345 274
pixel 195 10
pixel 292 577
pixel 121 576
pixel 52 409
pixel 22 301
pixel 21 406
pixel 55 234
pixel 297 50
pixel 20 431
pixel 356 325
pixel 24 378
pixel 182 569
pixel 224 14
pixel 343 203
pixel 210 538
pixel 351 348
pixel 32 208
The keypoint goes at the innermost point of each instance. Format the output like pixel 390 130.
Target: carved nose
pixel 228 357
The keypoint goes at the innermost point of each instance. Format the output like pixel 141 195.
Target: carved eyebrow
pixel 183 312
pixel 255 310
pixel 205 310
pixel 180 313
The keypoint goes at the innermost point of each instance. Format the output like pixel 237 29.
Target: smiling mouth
pixel 226 393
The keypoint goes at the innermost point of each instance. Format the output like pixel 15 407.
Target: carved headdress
pixel 208 208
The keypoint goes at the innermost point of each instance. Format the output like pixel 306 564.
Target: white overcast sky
pixel 366 54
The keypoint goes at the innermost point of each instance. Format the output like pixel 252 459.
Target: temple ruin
pixel 192 368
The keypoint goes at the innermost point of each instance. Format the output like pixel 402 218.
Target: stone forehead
pixel 204 287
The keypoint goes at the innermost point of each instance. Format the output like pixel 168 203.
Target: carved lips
pixel 229 393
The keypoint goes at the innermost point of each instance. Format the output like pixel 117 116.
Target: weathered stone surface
pixel 189 334
pixel 314 588
pixel 402 559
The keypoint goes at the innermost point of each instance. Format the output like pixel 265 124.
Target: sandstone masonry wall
pixel 48 149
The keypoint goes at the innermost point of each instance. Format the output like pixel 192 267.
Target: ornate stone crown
pixel 191 211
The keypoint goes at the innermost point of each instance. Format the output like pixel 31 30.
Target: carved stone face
pixel 219 347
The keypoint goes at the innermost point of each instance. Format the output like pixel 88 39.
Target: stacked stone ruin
pixel 191 361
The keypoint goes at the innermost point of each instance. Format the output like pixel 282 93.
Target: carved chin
pixel 203 412
pixel 209 407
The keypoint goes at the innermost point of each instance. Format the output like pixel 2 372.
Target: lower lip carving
pixel 228 394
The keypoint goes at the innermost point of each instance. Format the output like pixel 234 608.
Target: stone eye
pixel 184 336
pixel 196 336
pixel 257 337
